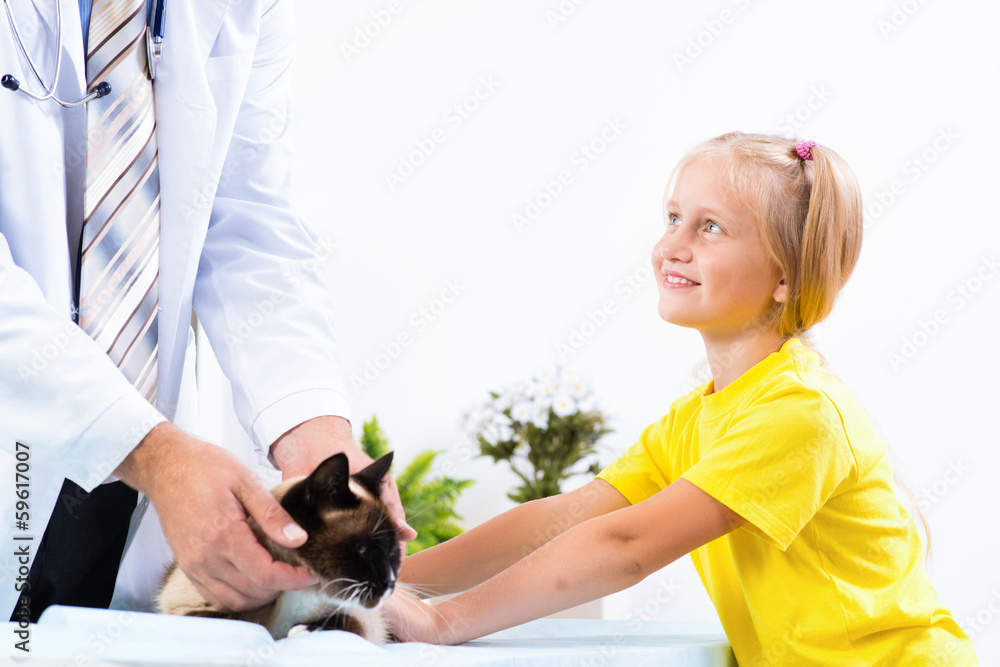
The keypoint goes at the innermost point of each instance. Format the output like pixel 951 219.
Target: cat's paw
pixel 299 629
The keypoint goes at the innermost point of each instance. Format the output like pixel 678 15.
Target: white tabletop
pixel 73 635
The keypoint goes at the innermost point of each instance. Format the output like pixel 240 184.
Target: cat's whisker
pixel 333 581
pixel 345 593
pixel 356 592
pixel 413 515
pixel 415 590
pixel 354 597
pixel 419 590
pixel 378 522
pixel 336 612
pixel 451 626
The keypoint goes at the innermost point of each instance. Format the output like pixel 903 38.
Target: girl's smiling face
pixel 712 269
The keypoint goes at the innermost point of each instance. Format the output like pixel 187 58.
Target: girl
pixel 771 476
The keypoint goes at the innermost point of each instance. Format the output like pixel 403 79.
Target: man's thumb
pixel 272 517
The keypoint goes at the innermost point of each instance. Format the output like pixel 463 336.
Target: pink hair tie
pixel 802 148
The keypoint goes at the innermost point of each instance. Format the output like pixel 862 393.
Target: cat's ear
pixel 328 483
pixel 371 477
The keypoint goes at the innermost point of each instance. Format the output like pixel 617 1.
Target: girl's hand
pixel 414 621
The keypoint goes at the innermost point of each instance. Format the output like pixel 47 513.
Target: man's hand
pixel 304 447
pixel 203 494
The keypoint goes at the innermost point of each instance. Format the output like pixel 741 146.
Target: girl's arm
pixel 477 555
pixel 597 557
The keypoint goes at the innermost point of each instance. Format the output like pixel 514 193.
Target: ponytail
pixel 830 242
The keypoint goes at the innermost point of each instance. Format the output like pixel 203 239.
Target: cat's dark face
pixel 353 546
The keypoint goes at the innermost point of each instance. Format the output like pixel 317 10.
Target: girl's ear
pixel 780 293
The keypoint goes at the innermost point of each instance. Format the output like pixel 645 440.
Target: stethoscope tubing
pixel 49 91
pixel 154 39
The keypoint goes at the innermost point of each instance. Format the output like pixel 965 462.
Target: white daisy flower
pixel 541 418
pixel 500 419
pixel 544 375
pixel 544 390
pixel 522 412
pixel 504 433
pixel 563 405
pixel 542 403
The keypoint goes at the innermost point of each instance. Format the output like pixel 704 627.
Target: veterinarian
pixel 172 183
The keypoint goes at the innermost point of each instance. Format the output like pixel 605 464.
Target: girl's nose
pixel 671 246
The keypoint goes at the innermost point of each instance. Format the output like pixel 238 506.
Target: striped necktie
pixel 77 561
pixel 119 261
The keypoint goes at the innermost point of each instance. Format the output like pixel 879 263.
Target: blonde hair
pixel 810 218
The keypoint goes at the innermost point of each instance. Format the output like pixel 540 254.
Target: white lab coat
pixel 231 247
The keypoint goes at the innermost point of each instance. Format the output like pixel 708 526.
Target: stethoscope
pixel 154 47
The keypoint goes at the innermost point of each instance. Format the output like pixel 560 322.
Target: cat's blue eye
pixel 361 549
pixel 713 228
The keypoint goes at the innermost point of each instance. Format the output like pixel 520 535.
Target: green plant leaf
pixel 373 441
pixel 417 469
pixel 429 501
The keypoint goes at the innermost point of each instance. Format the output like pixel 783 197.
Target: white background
pixel 839 73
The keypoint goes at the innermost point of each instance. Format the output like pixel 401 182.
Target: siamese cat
pixel 353 549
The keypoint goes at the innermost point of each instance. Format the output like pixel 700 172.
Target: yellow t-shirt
pixel 828 570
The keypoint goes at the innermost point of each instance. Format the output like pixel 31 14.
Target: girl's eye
pixel 713 227
pixel 671 218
